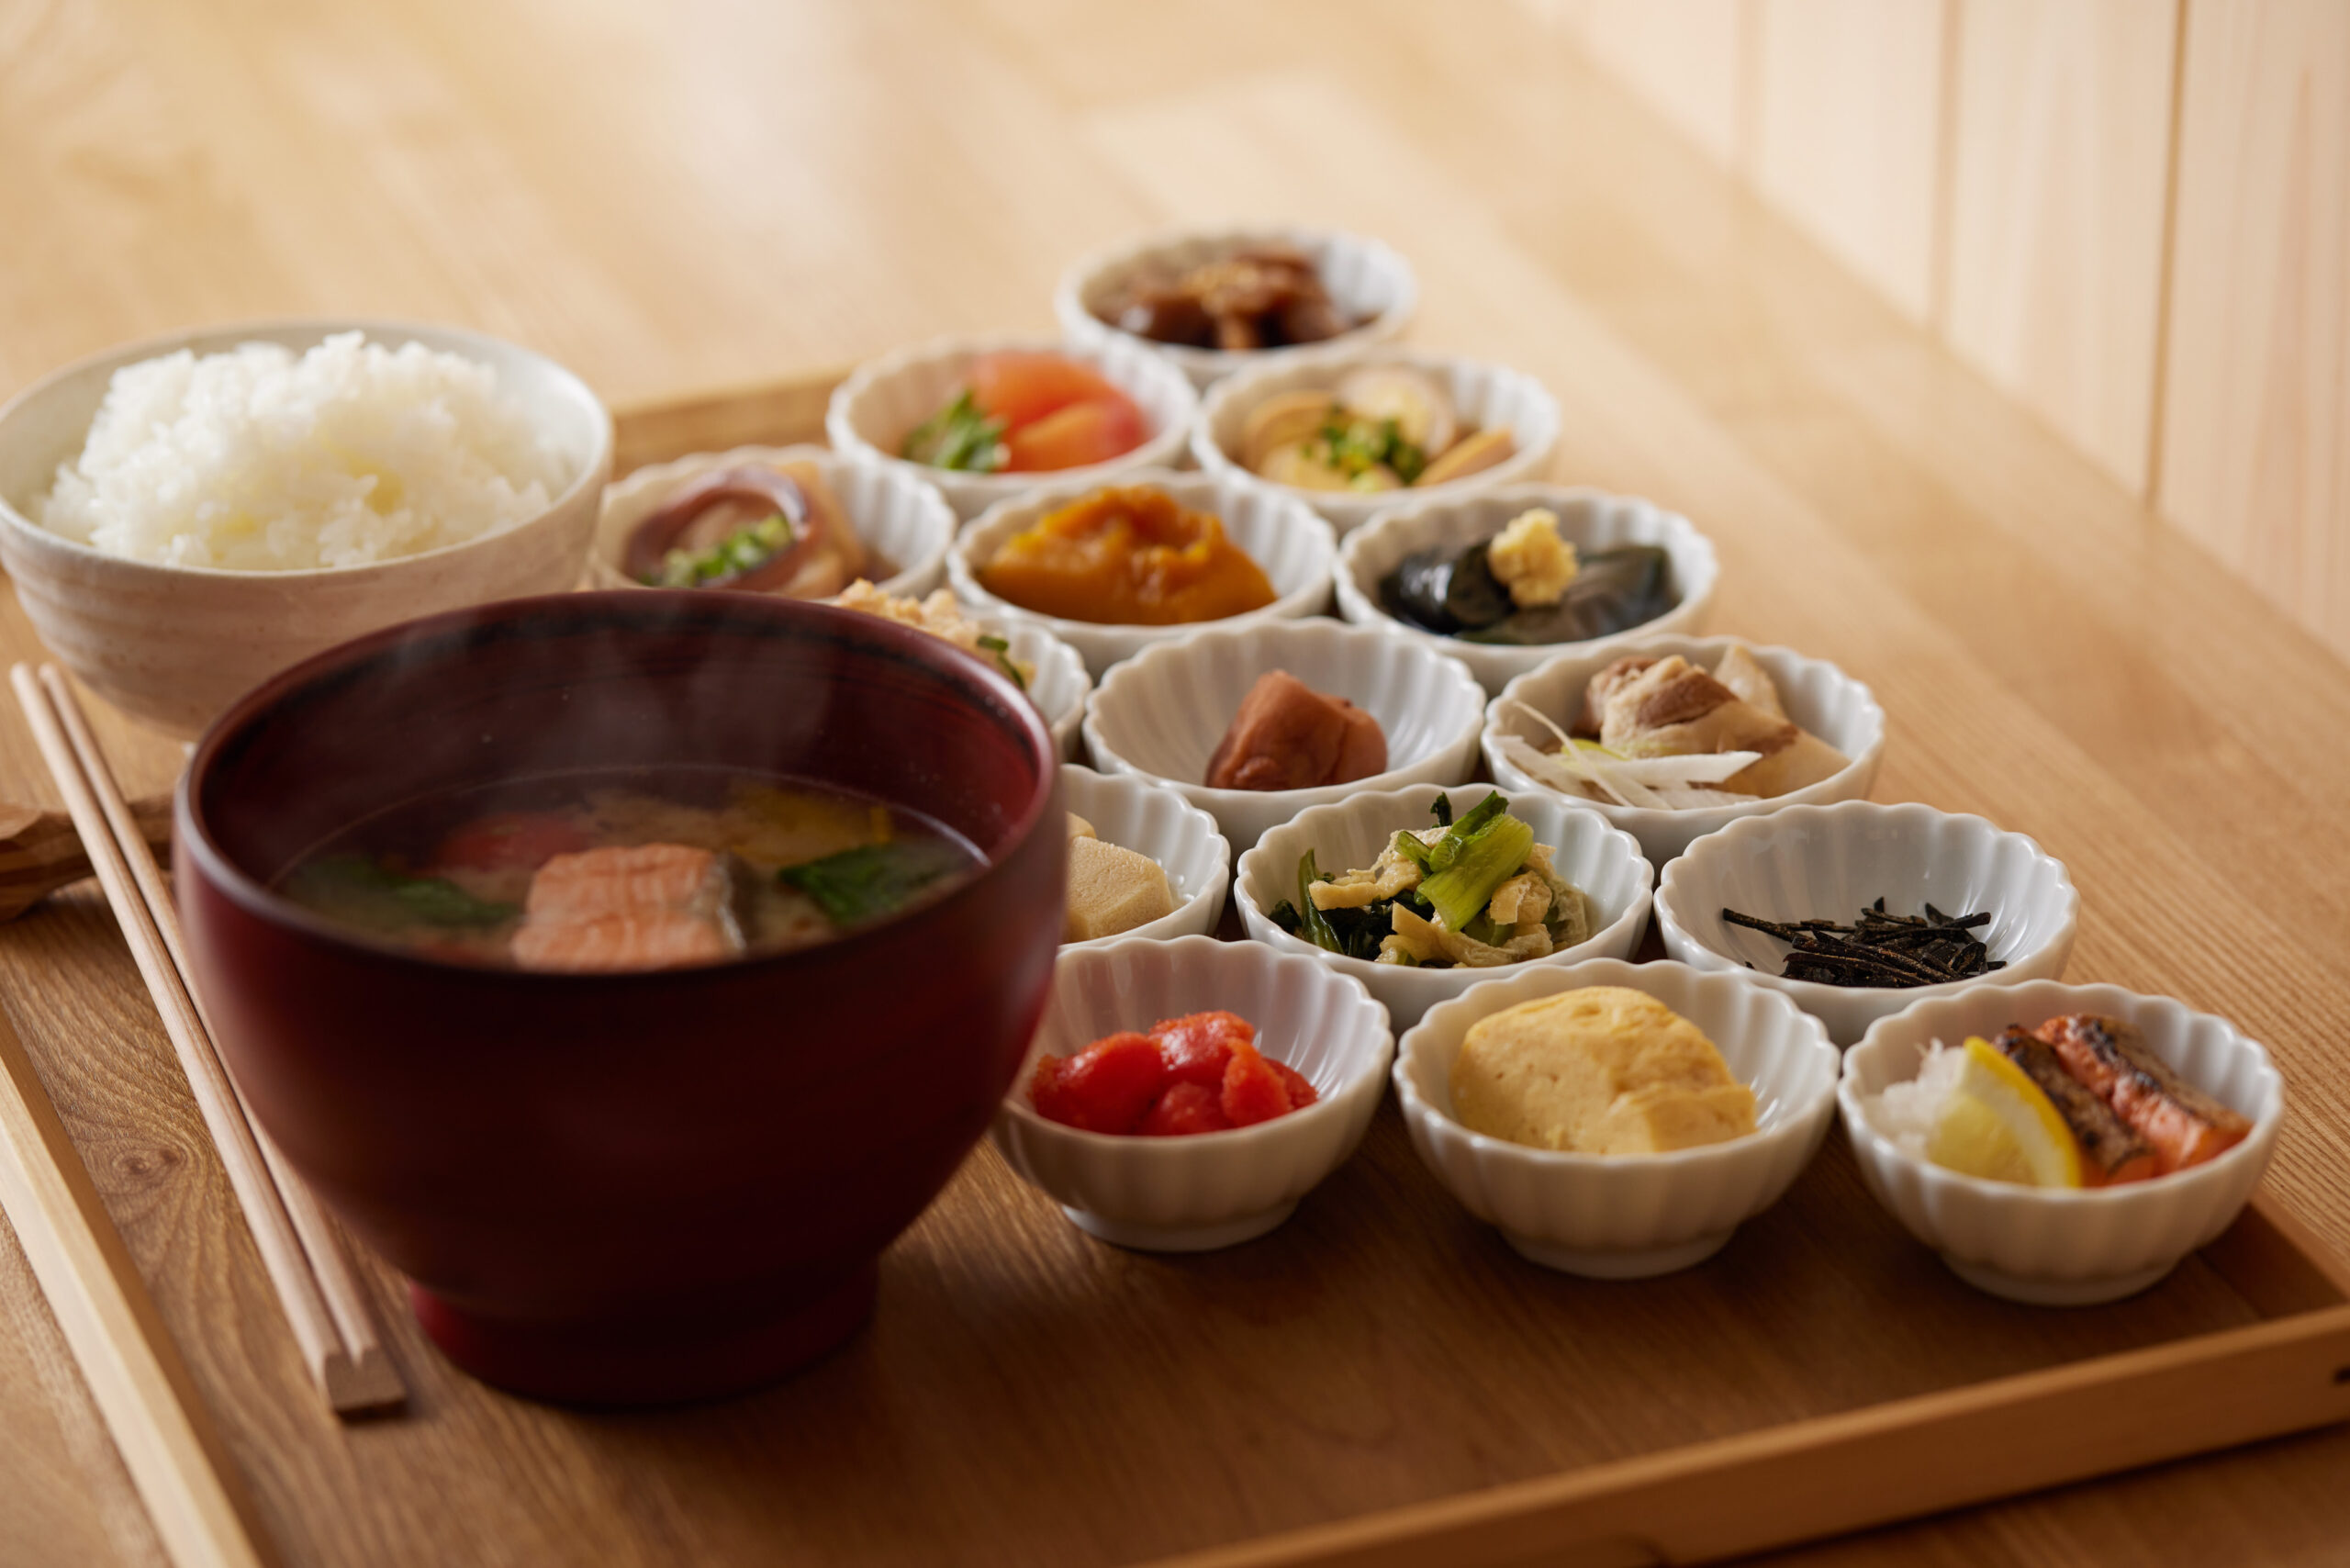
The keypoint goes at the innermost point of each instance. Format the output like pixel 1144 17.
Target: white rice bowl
pixel 264 460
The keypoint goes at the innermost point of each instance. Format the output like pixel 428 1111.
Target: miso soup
pixel 641 868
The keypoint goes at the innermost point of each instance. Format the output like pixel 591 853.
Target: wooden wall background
pixel 2133 215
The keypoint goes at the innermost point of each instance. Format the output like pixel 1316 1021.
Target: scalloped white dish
pixel 1207 1189
pixel 1588 520
pixel 1826 862
pixel 1485 395
pixel 897 514
pixel 1817 695
pixel 1058 681
pixel 1606 864
pixel 1292 545
pixel 1628 1216
pixel 883 400
pixel 1364 278
pixel 1162 712
pixel 1153 820
pixel 2063 1247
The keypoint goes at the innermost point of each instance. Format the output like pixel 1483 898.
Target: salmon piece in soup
pixel 649 907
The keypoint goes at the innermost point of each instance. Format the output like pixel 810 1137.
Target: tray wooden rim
pixel 1809 1478
pixel 1802 1480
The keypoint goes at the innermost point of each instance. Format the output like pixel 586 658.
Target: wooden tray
pixel 1379 1382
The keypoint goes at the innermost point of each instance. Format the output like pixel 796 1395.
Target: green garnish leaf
pixel 1477 854
pixel 1002 652
pixel 858 886
pixel 1409 847
pixel 958 437
pixel 1442 809
pixel 364 893
pixel 1312 925
pixel 1356 446
pixel 1407 460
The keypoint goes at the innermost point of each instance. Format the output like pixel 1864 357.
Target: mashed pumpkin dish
pixel 1603 1069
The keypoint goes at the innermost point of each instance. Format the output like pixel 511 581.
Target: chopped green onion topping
pixel 740 553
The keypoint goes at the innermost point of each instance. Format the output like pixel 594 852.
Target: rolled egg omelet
pixel 1603 1069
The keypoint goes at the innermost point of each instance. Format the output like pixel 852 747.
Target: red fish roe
pixel 1197 1045
pixel 1199 1074
pixel 1253 1091
pixel 1106 1088
pixel 1186 1108
pixel 1301 1093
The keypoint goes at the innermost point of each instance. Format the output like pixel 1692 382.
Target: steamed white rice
pixel 262 460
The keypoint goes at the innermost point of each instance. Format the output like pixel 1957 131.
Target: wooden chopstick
pixel 316 1285
pixel 134 1372
pixel 374 1382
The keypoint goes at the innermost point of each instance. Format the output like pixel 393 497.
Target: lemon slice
pixel 1996 1124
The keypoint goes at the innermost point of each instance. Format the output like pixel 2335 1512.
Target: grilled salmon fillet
pixel 649 907
pixel 2112 1150
pixel 2185 1126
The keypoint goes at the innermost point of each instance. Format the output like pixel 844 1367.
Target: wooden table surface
pixel 679 195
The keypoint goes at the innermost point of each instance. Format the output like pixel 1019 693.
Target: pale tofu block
pixel 1603 1069
pixel 1113 888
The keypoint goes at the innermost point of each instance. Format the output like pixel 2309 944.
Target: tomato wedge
pixel 1072 437
pixel 1018 387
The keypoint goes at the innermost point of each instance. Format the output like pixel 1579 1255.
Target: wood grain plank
pixel 640 194
pixel 2060 175
pixel 2255 451
pixel 70 1502
pixel 1686 59
pixel 133 1370
pixel 1847 132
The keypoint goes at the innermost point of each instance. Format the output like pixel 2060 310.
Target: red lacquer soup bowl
pixel 627 1188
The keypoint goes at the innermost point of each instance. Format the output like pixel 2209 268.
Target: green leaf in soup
pixel 363 892
pixel 858 886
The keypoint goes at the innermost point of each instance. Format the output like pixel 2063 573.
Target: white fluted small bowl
pixel 2060 1247
pixel 1816 694
pixel 1364 279
pixel 1292 545
pixel 898 515
pixel 1628 1216
pixel 1587 519
pixel 1153 820
pixel 1826 862
pixel 872 412
pixel 1606 864
pixel 1162 712
pixel 1206 1190
pixel 1485 395
pixel 1058 681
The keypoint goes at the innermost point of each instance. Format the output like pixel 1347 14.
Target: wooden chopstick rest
pixel 40 852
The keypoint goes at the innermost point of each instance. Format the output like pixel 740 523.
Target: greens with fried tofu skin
pixel 1476 893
